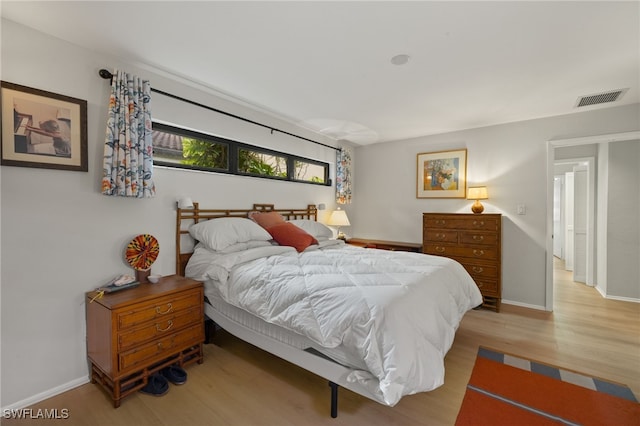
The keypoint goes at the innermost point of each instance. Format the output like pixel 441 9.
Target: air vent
pixel 600 98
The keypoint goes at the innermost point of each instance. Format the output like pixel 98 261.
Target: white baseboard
pixel 624 299
pixel 46 394
pixel 523 305
pixel 621 298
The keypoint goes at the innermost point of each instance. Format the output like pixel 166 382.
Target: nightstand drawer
pixel 158 328
pixel 159 308
pixel 160 348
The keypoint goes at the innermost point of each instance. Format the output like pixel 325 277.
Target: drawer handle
pixel 440 249
pixel 478 238
pixel 480 284
pixel 440 222
pixel 169 309
pixel 441 236
pixel 478 253
pixel 478 223
pixel 477 269
pixel 164 329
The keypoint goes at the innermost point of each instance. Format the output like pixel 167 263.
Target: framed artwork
pixel 42 129
pixel 442 174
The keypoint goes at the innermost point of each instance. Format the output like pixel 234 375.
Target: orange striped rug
pixel 511 390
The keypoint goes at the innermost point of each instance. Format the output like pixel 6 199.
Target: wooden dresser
pixel 474 240
pixel 134 333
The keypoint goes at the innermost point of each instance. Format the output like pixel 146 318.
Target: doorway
pixel 602 213
pixel 574 217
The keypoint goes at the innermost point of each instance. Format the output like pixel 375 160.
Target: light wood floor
pixel 241 385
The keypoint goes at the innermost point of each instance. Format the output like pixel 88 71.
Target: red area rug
pixel 511 390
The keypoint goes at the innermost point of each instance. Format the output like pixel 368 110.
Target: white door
pixel 580 222
pixel 558 217
pixel 568 217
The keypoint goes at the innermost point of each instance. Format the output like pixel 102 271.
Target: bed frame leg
pixel 334 400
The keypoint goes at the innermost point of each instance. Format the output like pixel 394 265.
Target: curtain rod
pixel 107 75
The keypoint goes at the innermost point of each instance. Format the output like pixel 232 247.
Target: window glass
pixel 260 163
pixel 309 172
pixel 175 147
pixel 193 151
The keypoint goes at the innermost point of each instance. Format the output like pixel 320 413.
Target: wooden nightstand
pixel 134 333
pixel 385 245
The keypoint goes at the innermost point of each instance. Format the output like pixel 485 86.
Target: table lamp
pixel 339 218
pixel 477 193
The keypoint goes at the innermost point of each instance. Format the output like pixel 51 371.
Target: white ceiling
pixel 326 65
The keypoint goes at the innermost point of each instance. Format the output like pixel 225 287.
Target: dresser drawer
pixel 487 287
pixel 159 308
pixel 480 272
pixel 484 238
pixel 477 252
pixel 160 348
pixel 442 235
pixel 452 222
pixel 156 329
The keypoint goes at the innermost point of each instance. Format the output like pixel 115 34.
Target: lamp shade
pixel 477 193
pixel 338 218
pixel 185 203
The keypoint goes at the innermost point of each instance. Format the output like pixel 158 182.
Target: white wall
pixel 511 159
pixel 61 237
pixel 623 227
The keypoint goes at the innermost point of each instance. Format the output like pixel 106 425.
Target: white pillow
pixel 233 248
pixel 317 229
pixel 218 234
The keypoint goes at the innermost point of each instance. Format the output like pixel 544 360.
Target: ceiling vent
pixel 600 98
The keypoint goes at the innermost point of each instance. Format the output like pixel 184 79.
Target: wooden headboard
pixel 187 217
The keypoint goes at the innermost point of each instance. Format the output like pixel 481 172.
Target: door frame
pixel 558 233
pixel 551 145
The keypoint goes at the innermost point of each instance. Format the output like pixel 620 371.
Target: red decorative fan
pixel 141 252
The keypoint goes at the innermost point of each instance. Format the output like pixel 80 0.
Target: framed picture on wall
pixel 442 174
pixel 42 129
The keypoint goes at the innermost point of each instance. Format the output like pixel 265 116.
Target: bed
pixel 376 322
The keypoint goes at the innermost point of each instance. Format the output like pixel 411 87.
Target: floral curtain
pixel 343 176
pixel 128 149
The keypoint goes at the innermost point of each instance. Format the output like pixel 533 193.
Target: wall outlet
pixel 521 209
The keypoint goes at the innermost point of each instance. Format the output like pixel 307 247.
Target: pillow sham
pixel 288 234
pixel 318 230
pixel 266 219
pixel 218 234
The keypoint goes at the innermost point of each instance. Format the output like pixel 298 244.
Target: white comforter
pixel 398 311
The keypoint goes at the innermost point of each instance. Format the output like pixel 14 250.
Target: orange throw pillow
pixel 266 219
pixel 287 234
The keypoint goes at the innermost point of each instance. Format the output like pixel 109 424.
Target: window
pixel 175 147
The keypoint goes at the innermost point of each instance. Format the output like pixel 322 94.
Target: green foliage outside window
pixel 201 153
pixel 261 164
